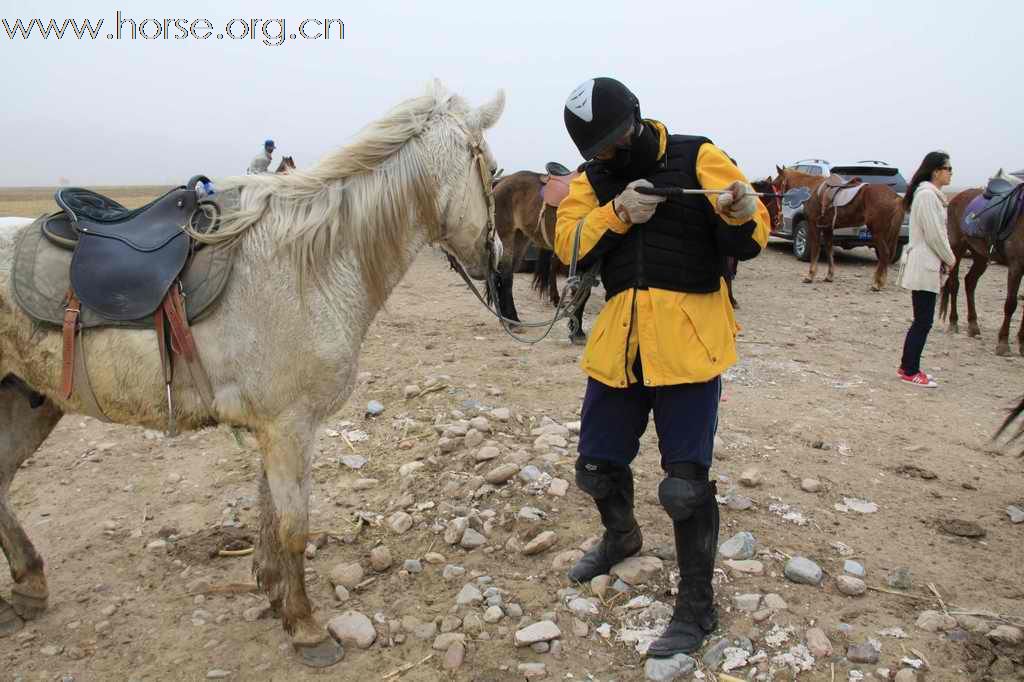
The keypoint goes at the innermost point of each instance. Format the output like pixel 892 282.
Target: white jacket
pixel 929 242
pixel 260 164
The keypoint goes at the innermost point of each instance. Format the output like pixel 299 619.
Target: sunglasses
pixel 949 168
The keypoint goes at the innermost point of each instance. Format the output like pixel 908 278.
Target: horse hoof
pixel 10 622
pixel 321 655
pixel 808 280
pixel 27 605
pixel 829 278
pixel 578 339
pixel 1003 350
pixel 875 287
pixel 973 331
pixel 954 329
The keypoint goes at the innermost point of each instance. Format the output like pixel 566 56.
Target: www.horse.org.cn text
pixel 270 32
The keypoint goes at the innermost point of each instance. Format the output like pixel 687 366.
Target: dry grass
pixel 35 201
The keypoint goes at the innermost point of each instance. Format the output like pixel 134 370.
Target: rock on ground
pixel 353 627
pixel 665 669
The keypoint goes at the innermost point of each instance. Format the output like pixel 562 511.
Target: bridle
pixel 576 286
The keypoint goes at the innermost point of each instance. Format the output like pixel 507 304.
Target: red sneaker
pixel 919 379
pixel 901 374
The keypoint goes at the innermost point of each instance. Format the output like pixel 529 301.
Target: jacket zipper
pixel 629 333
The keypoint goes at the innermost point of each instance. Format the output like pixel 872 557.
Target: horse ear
pixel 778 171
pixel 488 114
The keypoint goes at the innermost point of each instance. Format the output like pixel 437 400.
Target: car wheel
pixel 800 246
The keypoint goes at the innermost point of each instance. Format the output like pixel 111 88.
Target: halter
pixel 575 285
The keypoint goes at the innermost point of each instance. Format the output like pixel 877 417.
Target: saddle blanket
pixel 842 197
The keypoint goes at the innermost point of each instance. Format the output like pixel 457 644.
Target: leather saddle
pixel 837 192
pixel 127 267
pixel 994 214
pixel 555 183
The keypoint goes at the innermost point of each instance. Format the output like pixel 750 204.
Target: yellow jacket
pixel 682 337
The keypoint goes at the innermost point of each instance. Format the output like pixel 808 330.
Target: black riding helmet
pixel 598 112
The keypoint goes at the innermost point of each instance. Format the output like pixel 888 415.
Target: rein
pixel 576 285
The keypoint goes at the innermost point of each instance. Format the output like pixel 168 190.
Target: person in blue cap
pixel 261 163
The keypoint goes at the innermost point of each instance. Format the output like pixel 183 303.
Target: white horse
pixel 317 252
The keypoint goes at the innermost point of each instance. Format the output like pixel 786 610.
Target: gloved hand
pixel 738 202
pixel 633 207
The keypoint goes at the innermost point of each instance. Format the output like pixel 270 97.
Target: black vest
pixel 677 249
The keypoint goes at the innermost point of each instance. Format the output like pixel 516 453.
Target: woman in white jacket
pixel 928 258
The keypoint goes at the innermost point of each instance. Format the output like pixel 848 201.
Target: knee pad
pixel 598 478
pixel 681 497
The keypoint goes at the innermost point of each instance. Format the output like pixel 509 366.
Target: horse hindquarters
pixel 24 429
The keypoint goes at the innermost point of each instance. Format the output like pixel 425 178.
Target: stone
pixel 380 558
pixel 775 602
pixel 413 565
pixel 973 624
pixel 471 539
pixel 580 628
pixel 340 593
pixel 599 585
pixel 810 485
pixel 1007 634
pixel 563 560
pixel 353 627
pixel 493 614
pixel 558 487
pixel 850 586
pixel 445 640
pixel 541 647
pixel 935 621
pixel 487 453
pixel 469 595
pixel 1015 513
pixel 347 575
pixel 456 527
pixel 529 474
pixel 52 650
pixel 532 671
pixel 541 543
pixel 452 571
pixel 434 558
pixel 410 468
pixel 400 522
pixel 739 546
pixel 803 571
pixel 157 546
pixel 751 477
pixel 481 424
pixel 738 502
pixel 637 570
pixel 665 669
pixel 905 675
pixel 746 602
pixel 354 461
pixel 502 414
pixel 747 567
pixel 713 654
pixel 474 438
pixel 543 631
pixel 899 578
pixel 410 391
pixel 583 607
pixel 364 483
pixel 501 473
pixel 851 567
pixel 817 643
pixel 863 653
pixel 217 674
pixel 472 624
pixel 454 656
pixel 374 408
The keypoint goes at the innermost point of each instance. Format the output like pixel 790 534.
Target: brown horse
pixel 522 217
pixel 1013 249
pixel 876 206
pixel 287 164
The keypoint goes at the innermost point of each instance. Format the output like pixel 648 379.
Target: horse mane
pixel 360 197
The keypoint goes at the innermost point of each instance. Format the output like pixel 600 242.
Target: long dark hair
pixel 931 163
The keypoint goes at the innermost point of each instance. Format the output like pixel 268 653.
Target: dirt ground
pixel 814 395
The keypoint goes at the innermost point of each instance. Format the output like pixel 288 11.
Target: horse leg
pixel 827 246
pixel 1013 278
pixel 506 303
pixel 951 289
pixel 577 336
pixel 812 246
pixel 284 524
pixel 884 253
pixel 978 267
pixel 22 430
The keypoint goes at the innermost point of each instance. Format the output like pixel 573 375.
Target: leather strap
pixel 85 393
pixel 70 329
pixel 184 344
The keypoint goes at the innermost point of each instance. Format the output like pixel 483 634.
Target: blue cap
pixel 269 143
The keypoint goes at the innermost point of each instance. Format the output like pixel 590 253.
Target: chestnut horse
pixel 1013 250
pixel 521 217
pixel 287 164
pixel 876 206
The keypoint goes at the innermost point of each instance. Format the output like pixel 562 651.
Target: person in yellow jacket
pixel 666 333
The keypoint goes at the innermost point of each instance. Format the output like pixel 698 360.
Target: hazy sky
pixel 770 82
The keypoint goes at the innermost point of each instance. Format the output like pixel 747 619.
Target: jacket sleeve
pixel 601 227
pixel 933 225
pixel 742 239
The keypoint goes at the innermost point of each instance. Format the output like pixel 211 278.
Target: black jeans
pixel 917 335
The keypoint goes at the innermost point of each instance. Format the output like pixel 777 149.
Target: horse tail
pixel 944 301
pixel 1014 415
pixel 545 274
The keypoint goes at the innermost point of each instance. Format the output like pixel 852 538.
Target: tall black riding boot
pixel 611 486
pixel 695 616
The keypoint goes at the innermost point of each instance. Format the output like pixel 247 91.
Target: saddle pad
pixel 41 277
pixel 972 224
pixel 841 197
pixel 556 188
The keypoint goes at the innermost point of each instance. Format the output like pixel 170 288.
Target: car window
pixel 875 175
